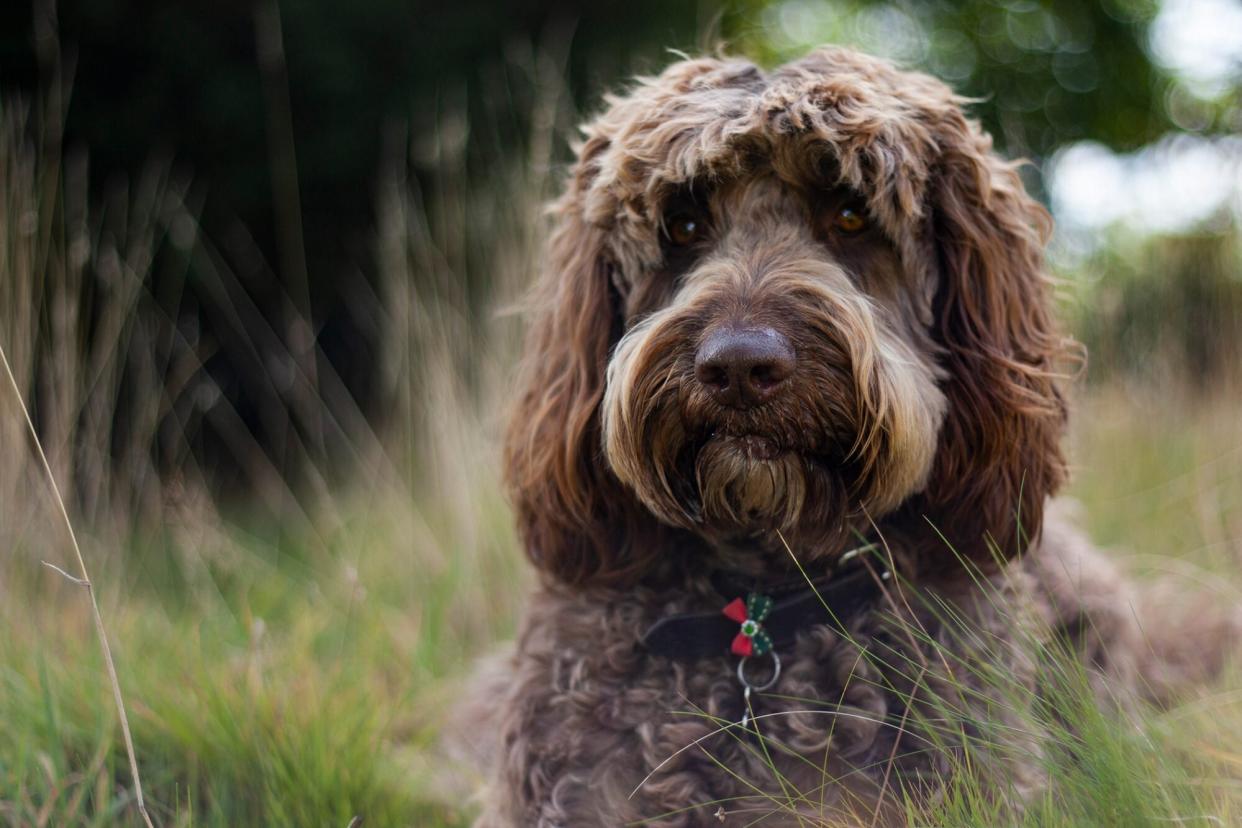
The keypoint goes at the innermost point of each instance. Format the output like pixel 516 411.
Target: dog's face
pixel 777 369
pixel 795 305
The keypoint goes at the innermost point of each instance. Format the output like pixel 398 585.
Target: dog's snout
pixel 743 367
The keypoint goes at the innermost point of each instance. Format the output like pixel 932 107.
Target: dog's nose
pixel 743 367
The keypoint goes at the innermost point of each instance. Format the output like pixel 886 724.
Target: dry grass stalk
pixel 84 581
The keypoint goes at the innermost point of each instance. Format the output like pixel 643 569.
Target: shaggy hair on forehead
pixel 784 314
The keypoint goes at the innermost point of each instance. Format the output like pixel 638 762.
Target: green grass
pixel 1161 472
pixel 294 688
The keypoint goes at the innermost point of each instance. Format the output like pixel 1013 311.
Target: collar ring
pixel 759 688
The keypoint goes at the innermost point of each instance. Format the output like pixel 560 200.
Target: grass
pixel 279 687
pixel 295 669
pixel 1161 472
pixel 288 666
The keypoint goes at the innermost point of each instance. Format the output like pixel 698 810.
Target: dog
pixel 786 438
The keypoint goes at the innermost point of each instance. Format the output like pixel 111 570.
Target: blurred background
pixel 257 266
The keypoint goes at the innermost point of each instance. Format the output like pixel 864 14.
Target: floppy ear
pixel 1000 455
pixel 574 516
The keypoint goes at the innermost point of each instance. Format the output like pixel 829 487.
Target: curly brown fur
pixel 920 412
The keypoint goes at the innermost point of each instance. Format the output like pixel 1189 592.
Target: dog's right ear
pixel 575 518
pixel 1000 457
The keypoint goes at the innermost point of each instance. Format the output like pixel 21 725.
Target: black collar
pixel 831 599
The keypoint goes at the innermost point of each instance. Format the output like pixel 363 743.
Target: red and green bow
pixel 751 640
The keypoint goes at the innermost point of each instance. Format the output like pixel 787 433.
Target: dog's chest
pixel 667 723
pixel 606 726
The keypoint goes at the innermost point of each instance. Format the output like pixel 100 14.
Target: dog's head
pixel 805 302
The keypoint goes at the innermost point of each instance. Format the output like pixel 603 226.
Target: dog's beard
pixel 852 438
pixel 735 478
pixel 750 489
pixel 749 483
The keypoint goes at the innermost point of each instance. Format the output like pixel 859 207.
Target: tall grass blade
pixel 84 581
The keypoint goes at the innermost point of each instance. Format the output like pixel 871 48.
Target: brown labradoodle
pixel 785 436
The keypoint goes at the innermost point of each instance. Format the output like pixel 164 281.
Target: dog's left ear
pixel 1000 454
pixel 578 524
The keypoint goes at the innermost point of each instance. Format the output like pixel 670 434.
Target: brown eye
pixel 849 220
pixel 684 229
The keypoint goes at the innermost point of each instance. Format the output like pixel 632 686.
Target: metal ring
pixel 759 688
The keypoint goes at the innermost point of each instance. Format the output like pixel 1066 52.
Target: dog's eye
pixel 849 220
pixel 684 229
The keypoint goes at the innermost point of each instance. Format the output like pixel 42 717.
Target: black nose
pixel 743 367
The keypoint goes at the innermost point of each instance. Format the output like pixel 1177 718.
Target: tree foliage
pixel 1045 72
